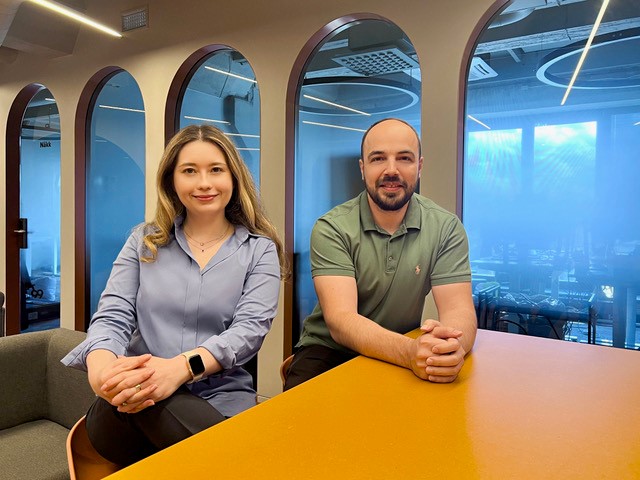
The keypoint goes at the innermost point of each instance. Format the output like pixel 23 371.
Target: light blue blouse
pixel 171 306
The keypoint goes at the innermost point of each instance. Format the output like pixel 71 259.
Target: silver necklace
pixel 201 245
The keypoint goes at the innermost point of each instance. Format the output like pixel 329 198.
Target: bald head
pixel 383 123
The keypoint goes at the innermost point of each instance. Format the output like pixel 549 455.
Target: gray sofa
pixel 40 400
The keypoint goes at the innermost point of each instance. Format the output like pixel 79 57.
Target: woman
pixel 190 299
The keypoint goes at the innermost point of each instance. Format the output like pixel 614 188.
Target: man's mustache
pixel 391 179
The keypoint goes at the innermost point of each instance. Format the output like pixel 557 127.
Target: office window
pixel 550 196
pixel 223 92
pixel 362 72
pixel 115 176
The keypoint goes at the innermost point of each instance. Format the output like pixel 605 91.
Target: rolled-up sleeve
pixel 254 311
pixel 114 322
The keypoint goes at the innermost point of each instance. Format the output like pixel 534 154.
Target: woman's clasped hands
pixel 125 383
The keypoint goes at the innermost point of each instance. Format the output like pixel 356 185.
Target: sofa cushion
pixel 23 360
pixel 34 450
pixel 68 392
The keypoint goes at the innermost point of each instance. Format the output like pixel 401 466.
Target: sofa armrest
pixel 69 394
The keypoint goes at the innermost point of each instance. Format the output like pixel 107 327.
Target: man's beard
pixel 391 202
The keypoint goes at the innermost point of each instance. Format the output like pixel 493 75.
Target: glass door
pixel 40 214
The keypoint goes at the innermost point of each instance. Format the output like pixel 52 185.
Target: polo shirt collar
pixel 412 218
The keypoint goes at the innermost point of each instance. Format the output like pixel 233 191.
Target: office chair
pixel 84 462
pixel 284 368
pixel 484 293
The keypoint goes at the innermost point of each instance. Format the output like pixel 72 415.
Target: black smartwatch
pixel 195 365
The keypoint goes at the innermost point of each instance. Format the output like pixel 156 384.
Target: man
pixel 375 258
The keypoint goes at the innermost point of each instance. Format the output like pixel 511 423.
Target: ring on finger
pixel 138 388
pixel 124 404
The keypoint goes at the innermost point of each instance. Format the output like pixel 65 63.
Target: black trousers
pixel 311 361
pixel 125 438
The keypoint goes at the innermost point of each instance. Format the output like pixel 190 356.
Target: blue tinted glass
pixel 223 92
pixel 40 205
pixel 550 195
pixel 115 176
pixel 363 72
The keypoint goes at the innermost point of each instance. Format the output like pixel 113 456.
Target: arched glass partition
pixel 115 176
pixel 361 72
pixel 550 193
pixel 40 214
pixel 222 91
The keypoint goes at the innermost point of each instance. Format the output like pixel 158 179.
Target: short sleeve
pixel 452 264
pixel 330 253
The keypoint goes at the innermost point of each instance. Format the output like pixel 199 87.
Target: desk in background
pixel 522 408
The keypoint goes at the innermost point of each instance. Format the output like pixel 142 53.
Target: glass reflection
pixel 40 206
pixel 223 92
pixel 115 176
pixel 549 189
pixel 363 72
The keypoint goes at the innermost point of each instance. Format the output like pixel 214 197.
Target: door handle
pixel 23 240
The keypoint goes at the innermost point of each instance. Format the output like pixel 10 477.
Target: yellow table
pixel 523 407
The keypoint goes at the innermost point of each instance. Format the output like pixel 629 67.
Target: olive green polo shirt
pixel 394 273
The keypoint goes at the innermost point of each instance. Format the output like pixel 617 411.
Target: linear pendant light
pixel 124 109
pixel 337 105
pixel 77 16
pixel 587 46
pixel 333 126
pixel 201 119
pixel 479 122
pixel 229 74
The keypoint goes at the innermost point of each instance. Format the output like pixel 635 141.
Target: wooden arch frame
pixel 291 121
pixel 180 82
pixel 470 47
pixel 82 129
pixel 12 170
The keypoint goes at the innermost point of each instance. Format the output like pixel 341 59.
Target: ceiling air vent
pixel 378 62
pixel 480 69
pixel 137 18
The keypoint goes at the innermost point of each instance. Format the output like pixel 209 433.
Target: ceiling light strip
pixel 241 135
pixel 585 50
pixel 77 16
pixel 246 79
pixel 188 117
pixel 333 126
pixel 479 122
pixel 336 105
pixel 637 123
pixel 124 109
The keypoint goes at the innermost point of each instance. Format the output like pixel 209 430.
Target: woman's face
pixel 202 179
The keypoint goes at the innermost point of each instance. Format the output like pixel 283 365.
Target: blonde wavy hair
pixel 244 207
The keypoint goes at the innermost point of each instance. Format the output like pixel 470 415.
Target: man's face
pixel 391 165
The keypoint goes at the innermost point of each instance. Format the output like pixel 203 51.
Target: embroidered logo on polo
pixel 417 269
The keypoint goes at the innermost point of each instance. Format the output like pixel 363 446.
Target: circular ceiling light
pixel 355 96
pixel 612 62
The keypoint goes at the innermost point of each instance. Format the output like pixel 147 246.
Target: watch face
pixel 196 364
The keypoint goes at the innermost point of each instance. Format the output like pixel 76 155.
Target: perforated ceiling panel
pixel 378 62
pixel 137 18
